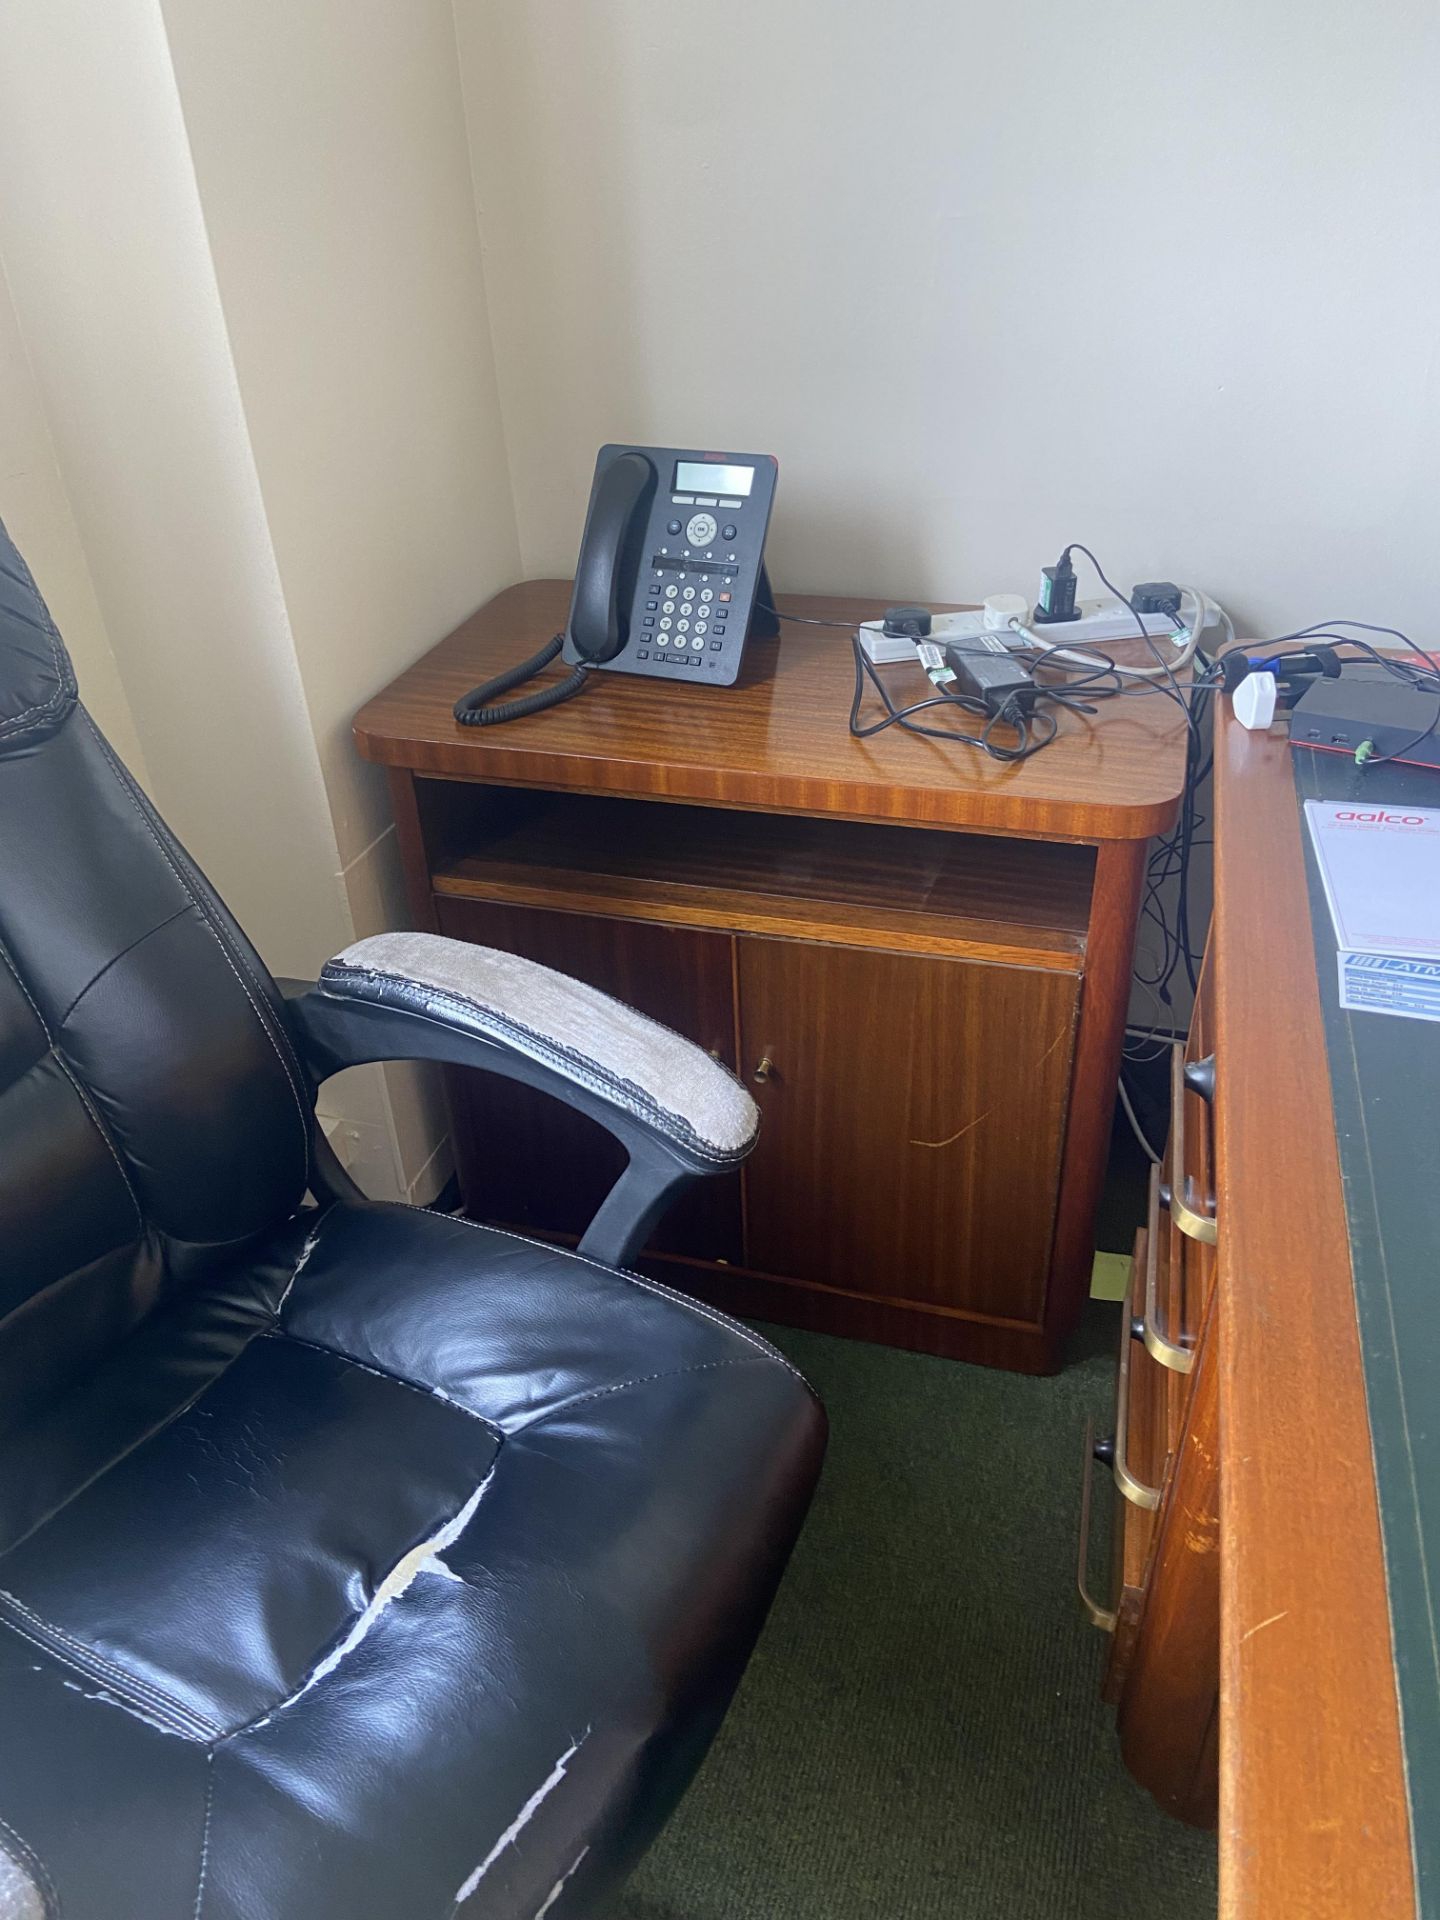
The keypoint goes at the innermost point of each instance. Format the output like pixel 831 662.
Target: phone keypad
pixel 693 612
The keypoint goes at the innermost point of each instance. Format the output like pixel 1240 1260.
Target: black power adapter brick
pixel 994 677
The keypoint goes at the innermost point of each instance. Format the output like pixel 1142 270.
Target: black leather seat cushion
pixel 324 1520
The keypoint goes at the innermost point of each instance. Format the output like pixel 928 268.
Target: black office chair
pixel 356 1562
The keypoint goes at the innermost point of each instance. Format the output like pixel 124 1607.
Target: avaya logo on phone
pixel 1379 818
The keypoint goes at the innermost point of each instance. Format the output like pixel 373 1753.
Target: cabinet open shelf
pixel 918 890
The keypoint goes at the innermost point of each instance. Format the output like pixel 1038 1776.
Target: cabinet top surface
pixel 779 739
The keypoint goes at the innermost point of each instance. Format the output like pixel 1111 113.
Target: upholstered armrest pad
pixel 654 1075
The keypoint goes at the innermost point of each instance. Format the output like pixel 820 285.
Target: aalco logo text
pixel 1380 818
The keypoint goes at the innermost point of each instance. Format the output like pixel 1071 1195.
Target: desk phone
pixel 671 578
pixel 672 563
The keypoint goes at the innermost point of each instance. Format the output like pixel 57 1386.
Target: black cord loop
pixel 475 709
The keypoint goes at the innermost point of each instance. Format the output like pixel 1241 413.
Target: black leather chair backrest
pixel 153 1116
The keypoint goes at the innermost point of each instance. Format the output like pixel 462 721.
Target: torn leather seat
pixel 356 1562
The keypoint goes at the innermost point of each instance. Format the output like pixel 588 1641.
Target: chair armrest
pixel 416 996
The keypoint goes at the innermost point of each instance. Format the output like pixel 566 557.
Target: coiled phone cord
pixel 474 709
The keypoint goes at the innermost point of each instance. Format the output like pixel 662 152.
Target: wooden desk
pixel 919 957
pixel 1313 1803
pixel 1253 1649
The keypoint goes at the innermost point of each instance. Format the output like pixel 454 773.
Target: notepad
pixel 1381 871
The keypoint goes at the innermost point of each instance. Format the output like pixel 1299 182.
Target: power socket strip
pixel 1104 619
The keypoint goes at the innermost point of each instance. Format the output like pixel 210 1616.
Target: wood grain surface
pixel 778 740
pixel 907 889
pixel 1313 1822
pixel 904 1097
pixel 1168 1709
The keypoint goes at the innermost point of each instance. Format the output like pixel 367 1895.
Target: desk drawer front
pixel 1162 1671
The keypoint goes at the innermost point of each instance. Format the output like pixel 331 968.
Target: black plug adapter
pixel 1057 593
pixel 996 679
pixel 907 623
pixel 1157 596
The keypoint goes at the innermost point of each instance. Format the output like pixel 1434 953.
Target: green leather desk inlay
pixel 1385 1078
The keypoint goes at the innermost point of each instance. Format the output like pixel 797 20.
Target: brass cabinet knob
pixel 765 1070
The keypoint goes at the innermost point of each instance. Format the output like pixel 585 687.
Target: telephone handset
pixel 670 581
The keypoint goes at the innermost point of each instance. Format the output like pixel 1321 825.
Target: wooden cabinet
pixel 897 1094
pixel 928 951
pixel 913 1103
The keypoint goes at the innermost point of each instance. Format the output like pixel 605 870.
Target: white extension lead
pixel 1003 622
pixel 1192 627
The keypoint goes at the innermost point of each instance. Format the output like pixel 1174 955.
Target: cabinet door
pixel 913 1115
pixel 528 1161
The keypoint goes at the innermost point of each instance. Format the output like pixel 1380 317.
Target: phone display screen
pixel 705 476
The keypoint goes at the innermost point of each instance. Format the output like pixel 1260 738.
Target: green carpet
pixel 920 1733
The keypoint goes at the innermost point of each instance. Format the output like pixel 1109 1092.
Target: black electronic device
pixel 672 563
pixel 907 623
pixel 670 580
pixel 1157 596
pixel 1057 594
pixel 1293 672
pixel 1368 704
pixel 993 677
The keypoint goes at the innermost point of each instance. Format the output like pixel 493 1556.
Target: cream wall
pixel 247 272
pixel 986 278
pixel 38 516
pixel 104 243
pixel 330 153
pixel 329 146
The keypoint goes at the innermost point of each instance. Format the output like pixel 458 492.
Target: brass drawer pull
pixel 1179 1358
pixel 1197 1226
pixel 764 1070
pixel 1103 1617
pixel 1134 1490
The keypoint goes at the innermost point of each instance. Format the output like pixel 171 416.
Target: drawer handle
pixel 764 1070
pixel 1103 1617
pixel 1134 1489
pixel 1196 1226
pixel 1179 1359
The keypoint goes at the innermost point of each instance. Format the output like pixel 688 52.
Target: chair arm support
pixel 416 996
